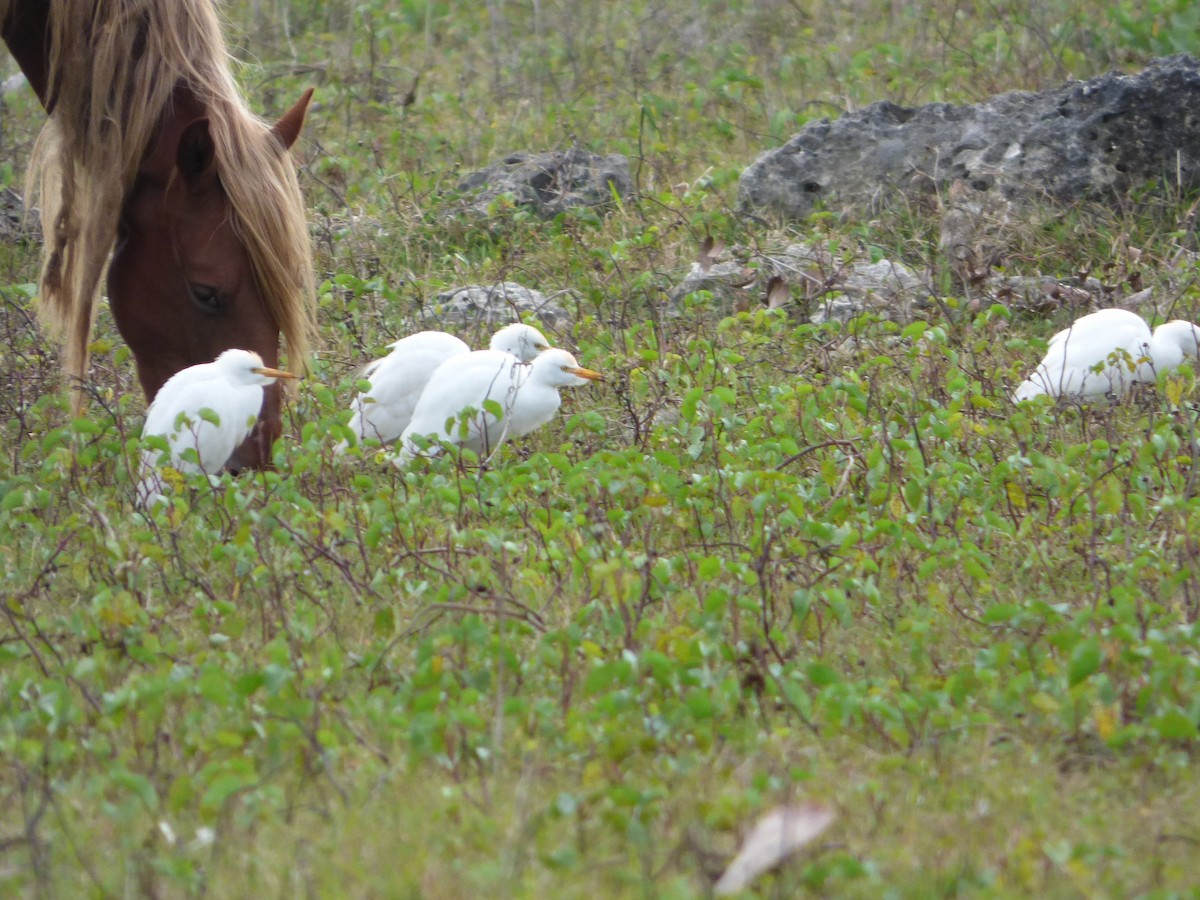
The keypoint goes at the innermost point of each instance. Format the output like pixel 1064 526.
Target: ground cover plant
pixel 766 562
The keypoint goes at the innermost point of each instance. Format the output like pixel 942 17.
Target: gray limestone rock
pixel 551 182
pixel 727 281
pixel 491 306
pixel 828 286
pixel 1093 139
pixel 1042 293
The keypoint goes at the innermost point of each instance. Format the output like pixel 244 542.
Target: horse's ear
pixel 287 129
pixel 195 154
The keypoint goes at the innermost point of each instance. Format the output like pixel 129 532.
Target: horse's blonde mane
pixel 114 65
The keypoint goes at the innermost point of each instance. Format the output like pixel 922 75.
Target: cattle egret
pixel 384 410
pixel 527 397
pixel 208 409
pixel 1105 353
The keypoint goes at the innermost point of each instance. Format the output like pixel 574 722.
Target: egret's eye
pixel 206 298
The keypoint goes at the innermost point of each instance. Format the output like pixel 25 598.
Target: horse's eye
pixel 207 299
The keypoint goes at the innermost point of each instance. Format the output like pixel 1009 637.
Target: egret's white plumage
pixel 232 388
pixel 527 395
pixel 384 410
pixel 1105 352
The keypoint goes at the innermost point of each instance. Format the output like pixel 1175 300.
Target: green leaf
pixel 138 785
pixel 700 704
pixel 13 499
pixel 690 401
pixel 223 787
pixel 1085 659
pixel 1001 612
pixel 1175 726
pixel 249 683
pixel 385 622
pixel 822 674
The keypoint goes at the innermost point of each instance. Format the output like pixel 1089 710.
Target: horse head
pixel 181 283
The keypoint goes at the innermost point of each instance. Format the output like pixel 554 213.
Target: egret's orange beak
pixel 274 373
pixel 584 373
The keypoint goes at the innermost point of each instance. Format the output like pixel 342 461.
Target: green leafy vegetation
pixel 766 561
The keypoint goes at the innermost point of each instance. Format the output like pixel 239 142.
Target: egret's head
pixel 560 368
pixel 246 367
pixel 523 341
pixel 1183 334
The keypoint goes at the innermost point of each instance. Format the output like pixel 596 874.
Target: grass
pixel 764 562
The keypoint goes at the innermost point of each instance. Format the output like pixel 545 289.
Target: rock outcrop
pixel 1094 139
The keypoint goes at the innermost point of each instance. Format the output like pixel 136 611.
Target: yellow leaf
pixel 1016 495
pixel 1043 702
pixel 1174 389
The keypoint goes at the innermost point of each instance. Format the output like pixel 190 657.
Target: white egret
pixel 1105 353
pixel 209 409
pixel 526 394
pixel 384 410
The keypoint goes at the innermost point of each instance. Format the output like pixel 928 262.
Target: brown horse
pixel 151 156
